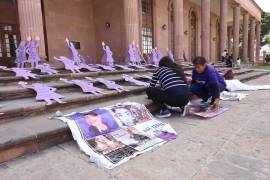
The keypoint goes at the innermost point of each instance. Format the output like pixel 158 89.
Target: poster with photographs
pixel 113 135
pixel 130 114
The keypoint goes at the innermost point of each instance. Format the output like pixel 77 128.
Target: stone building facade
pixel 193 27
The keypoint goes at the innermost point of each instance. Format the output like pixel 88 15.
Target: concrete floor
pixel 232 146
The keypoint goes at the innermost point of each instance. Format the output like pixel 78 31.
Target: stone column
pixel 131 15
pixel 206 29
pixel 236 16
pixel 251 40
pixel 229 39
pixel 31 22
pixel 245 36
pixel 223 25
pixel 178 14
pixel 258 41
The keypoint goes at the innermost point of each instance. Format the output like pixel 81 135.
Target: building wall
pixel 161 17
pixel 112 12
pixel 72 19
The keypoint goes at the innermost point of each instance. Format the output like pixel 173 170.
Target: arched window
pixel 147 26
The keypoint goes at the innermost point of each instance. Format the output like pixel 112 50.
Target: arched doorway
pixel 192 34
pixel 9 32
pixel 171 25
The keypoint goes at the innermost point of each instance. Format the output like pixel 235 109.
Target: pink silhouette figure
pixel 45 68
pixel 109 84
pixel 170 54
pixel 107 58
pixel 134 81
pixel 86 87
pixel 21 54
pixel 20 72
pixel 69 64
pixel 32 51
pixel 139 55
pixel 44 92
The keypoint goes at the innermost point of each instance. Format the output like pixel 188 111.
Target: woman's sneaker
pixel 164 114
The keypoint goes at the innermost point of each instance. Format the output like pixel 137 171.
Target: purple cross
pixel 44 92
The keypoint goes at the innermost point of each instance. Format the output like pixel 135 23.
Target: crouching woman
pixel 173 89
pixel 206 82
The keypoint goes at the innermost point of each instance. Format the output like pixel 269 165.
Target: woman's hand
pixel 215 105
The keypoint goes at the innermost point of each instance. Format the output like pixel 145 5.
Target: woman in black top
pixel 173 90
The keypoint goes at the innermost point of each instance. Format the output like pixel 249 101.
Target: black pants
pixel 160 98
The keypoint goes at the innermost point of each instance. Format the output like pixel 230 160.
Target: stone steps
pixel 26 126
pixel 9 80
pixel 32 134
pixel 11 91
pixel 28 107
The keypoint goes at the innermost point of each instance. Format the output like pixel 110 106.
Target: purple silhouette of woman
pixel 21 54
pixel 32 51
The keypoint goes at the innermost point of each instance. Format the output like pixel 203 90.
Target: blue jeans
pixel 204 91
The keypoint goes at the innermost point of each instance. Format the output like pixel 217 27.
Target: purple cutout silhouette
pixel 32 51
pixel 170 54
pixel 45 68
pixel 20 72
pixel 69 64
pixel 143 76
pixel 21 54
pixel 105 67
pixel 109 84
pixel 89 68
pixel 123 67
pixel 73 53
pixel 86 87
pixel 167 136
pixel 44 92
pixel 155 56
pixel 131 55
pixel 107 58
pixel 134 81
pixel 89 60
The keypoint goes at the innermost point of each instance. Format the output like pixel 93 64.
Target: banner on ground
pixel 113 135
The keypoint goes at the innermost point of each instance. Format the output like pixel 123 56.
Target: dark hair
pixel 199 60
pixel 167 62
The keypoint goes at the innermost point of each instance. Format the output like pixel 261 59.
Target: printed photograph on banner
pixel 136 139
pixel 94 123
pixel 112 149
pixel 130 114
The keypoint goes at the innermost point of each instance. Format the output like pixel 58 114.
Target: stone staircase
pixel 29 126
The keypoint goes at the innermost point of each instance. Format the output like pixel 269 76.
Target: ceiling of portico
pixel 215 8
